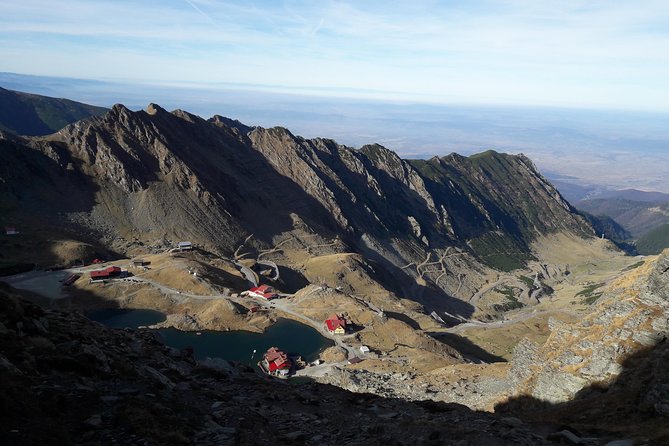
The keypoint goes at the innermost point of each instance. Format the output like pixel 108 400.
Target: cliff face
pixel 137 177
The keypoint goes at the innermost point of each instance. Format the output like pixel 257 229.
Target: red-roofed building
pixel 336 324
pixel 264 291
pixel 275 362
pixel 107 273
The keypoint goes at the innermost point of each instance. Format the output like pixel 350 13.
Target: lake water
pixel 288 335
pixel 126 318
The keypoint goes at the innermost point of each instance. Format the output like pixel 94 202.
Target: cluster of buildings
pixel 263 291
pixel 276 363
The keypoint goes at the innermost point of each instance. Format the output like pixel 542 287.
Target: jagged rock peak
pixel 119 109
pixel 154 109
pixel 232 123
pixel 186 116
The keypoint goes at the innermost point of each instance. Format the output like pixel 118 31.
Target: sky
pixel 606 54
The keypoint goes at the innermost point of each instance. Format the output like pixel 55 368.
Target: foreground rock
pixel 66 380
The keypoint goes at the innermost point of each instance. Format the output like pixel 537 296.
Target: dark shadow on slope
pixel 404 285
pixel 635 404
pixel 37 192
pixel 291 281
pixel 404 318
pixel 467 347
pixel 239 177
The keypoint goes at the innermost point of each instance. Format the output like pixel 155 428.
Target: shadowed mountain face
pixel 31 114
pixel 135 177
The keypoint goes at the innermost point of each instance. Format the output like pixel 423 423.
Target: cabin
pixel 185 246
pixel 11 230
pixel 107 273
pixel 139 262
pixel 336 324
pixel 264 291
pixel 276 363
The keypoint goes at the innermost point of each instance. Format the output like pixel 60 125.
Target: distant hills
pixel 632 216
pixel 654 241
pixel 35 115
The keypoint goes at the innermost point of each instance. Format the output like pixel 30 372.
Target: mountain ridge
pixel 146 176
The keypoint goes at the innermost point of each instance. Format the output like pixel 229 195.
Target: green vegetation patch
pixel 634 265
pixel 513 302
pixel 589 293
pixel 527 281
pixel 500 253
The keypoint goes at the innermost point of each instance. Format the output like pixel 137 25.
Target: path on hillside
pixel 498 324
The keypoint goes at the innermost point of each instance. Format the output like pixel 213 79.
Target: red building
pixel 264 291
pixel 275 362
pixel 336 324
pixel 107 273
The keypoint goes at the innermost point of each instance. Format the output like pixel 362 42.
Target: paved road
pixel 502 323
pixel 248 273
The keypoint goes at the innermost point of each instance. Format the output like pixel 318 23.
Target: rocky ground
pixel 66 380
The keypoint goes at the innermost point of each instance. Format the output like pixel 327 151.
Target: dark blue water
pixel 288 335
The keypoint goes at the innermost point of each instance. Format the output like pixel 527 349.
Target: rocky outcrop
pixel 627 320
pixel 66 380
pixel 608 369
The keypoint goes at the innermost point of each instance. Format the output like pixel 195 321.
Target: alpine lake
pixel 242 346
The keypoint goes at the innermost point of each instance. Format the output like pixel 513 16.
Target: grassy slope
pixel 654 241
pixel 29 114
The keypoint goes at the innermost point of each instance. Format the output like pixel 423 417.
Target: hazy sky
pixel 592 53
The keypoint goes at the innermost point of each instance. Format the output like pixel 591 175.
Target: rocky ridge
pixel 128 179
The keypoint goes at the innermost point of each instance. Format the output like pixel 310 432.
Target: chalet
pixel 336 324
pixel 185 246
pixel 264 291
pixel 107 273
pixel 276 363
pixel 10 230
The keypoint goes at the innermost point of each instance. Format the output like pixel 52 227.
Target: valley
pixel 460 280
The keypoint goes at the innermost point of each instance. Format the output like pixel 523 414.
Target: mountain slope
pixel 31 114
pixel 131 179
pixel 654 241
pixel 636 216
